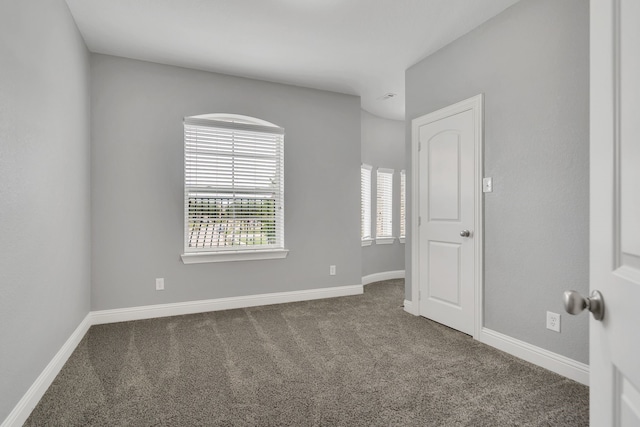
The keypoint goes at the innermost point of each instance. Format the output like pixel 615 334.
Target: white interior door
pixel 614 346
pixel 447 141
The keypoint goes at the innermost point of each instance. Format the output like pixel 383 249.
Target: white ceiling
pixel 359 47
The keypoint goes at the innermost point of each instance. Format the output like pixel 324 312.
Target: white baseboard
pixel 23 409
pixel 203 306
pixel 385 275
pixel 554 362
pixel 557 363
pixel 408 307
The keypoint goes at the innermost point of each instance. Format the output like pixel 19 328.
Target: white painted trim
pixel 546 359
pixel 203 306
pixel 415 216
pixel 227 256
pixel 366 242
pixel 554 362
pixel 557 363
pixel 385 275
pixel 23 409
pixel 385 240
pixel 476 104
pixel 408 307
pixel 478 108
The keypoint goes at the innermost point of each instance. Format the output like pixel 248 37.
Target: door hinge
pixel 419 221
pixel 419 145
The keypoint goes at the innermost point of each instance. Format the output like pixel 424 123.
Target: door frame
pixel 476 104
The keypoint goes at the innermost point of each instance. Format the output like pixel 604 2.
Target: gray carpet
pixel 351 361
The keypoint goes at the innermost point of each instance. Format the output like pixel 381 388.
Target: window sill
pixel 385 240
pixel 367 242
pixel 227 256
pixel 401 239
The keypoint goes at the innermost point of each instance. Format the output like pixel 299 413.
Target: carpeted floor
pixel 351 361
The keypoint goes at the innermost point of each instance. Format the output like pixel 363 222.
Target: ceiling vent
pixel 387 95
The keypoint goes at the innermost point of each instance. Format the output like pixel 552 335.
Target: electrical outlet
pixel 553 321
pixel 332 270
pixel 160 284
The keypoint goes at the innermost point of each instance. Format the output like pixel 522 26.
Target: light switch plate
pixel 487 185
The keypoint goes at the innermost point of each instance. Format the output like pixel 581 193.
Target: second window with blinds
pixel 365 205
pixel 384 206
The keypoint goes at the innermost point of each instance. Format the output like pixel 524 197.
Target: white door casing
pixel 447 172
pixel 614 347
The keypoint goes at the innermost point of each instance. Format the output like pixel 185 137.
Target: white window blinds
pixel 403 203
pixel 365 202
pixel 384 211
pixel 234 185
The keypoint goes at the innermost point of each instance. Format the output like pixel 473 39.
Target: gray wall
pixel 44 189
pixel 137 184
pixel 531 62
pixel 383 147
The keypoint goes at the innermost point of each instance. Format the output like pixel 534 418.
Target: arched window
pixel 234 187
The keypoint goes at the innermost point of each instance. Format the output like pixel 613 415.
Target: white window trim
pixel 234 121
pixel 367 240
pixel 402 239
pixel 225 256
pixel 385 240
